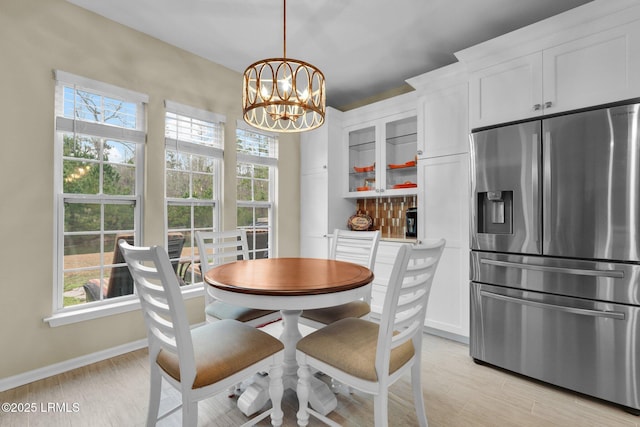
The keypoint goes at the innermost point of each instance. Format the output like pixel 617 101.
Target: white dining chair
pixel 368 356
pixel 198 362
pixel 359 247
pixel 220 247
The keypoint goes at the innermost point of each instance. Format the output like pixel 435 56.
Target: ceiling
pixel 363 47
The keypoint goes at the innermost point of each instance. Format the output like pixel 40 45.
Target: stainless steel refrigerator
pixel 555 251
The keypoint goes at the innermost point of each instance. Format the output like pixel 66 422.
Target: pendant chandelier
pixel 283 94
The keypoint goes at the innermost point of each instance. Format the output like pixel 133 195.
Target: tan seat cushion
pixel 222 310
pixel 333 314
pixel 350 345
pixel 222 349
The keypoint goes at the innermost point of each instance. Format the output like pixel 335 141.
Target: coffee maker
pixel 412 222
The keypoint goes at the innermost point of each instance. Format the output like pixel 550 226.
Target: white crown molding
pixel 387 107
pixel 590 18
pixel 440 78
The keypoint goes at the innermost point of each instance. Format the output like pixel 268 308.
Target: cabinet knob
pixel 548 104
pixel 419 152
pixel 537 107
pixel 324 166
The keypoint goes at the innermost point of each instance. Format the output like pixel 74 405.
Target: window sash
pixel 192 145
pixel 88 128
pixel 266 158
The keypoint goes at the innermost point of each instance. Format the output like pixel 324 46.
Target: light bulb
pixel 285 85
pixel 264 92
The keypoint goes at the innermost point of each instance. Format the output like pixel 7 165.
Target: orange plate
pixel 410 164
pixel 363 188
pixel 364 168
pixel 406 185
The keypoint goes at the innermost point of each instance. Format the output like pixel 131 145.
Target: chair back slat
pixel 406 300
pixel 220 247
pixel 162 305
pixel 358 247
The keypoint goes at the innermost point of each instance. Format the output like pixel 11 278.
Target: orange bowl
pixel 363 188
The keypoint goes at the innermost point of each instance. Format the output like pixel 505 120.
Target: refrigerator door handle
pixel 546 189
pixel 618 274
pixel 581 311
pixel 535 192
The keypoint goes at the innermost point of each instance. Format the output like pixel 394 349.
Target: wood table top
pixel 288 276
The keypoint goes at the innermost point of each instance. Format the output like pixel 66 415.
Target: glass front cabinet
pixel 382 157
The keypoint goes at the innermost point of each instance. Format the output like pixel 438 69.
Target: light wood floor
pixel 457 392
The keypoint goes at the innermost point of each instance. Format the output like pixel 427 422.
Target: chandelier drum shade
pixel 283 94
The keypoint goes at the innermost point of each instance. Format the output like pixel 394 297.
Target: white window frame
pixel 63 315
pixel 216 152
pixel 272 163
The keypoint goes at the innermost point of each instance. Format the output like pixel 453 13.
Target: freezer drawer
pixel 596 280
pixel 586 346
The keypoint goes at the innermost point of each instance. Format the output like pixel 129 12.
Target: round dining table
pixel 290 285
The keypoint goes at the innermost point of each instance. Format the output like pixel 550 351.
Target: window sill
pixel 70 316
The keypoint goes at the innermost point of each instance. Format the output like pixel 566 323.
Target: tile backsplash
pixel 388 214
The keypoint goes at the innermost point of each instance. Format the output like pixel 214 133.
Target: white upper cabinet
pixel 314 150
pixel 585 57
pixel 443 123
pixel 380 149
pixel 505 92
pixel 601 68
pixel 441 110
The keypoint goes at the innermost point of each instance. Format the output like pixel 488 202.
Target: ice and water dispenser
pixel 495 212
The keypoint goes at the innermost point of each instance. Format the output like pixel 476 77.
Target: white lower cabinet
pixel 385 257
pixel 444 213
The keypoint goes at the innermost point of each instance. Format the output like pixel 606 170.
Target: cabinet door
pixel 398 156
pixel 362 160
pixel 601 68
pixel 314 208
pixel 509 91
pixel 314 148
pixel 444 213
pixel 446 122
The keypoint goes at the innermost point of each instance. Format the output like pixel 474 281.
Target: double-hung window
pixel 256 168
pixel 99 144
pixel 194 141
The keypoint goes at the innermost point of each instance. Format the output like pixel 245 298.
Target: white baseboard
pixel 58 368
